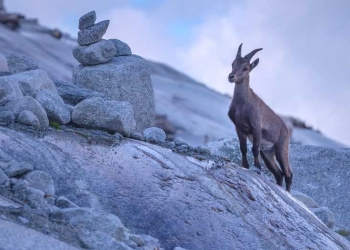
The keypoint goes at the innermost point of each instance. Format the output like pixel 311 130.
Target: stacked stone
pixel 108 67
pixel 92 49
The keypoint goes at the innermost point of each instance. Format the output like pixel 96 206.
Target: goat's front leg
pixel 243 146
pixel 256 146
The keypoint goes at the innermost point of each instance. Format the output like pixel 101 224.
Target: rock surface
pixel 55 108
pixel 73 94
pixel 237 204
pixel 6 118
pixel 93 34
pixel 179 141
pixel 97 53
pixel 101 241
pixel 325 215
pixel 307 200
pixel 8 204
pixel 29 103
pixel 32 82
pixel 15 168
pixel 34 198
pixel 26 117
pixel 21 238
pixel 227 148
pixel 137 136
pixel 111 116
pixel 321 172
pixel 154 134
pixel 20 63
pixel 41 180
pixel 70 108
pixel 119 80
pixel 63 202
pixel 122 49
pixel 3 177
pixel 9 90
pixel 87 20
pixel 85 218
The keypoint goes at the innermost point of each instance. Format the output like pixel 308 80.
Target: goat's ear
pixel 254 64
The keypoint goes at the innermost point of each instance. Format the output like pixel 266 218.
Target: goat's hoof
pixel 257 166
pixel 245 164
pixel 257 170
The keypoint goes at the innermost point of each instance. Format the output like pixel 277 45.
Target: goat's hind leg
pixel 256 146
pixel 282 156
pixel 268 157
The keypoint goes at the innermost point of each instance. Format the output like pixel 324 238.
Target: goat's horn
pixel 239 51
pixel 251 54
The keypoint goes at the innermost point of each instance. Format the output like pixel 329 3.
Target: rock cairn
pixel 92 49
pixel 97 112
pixel 112 89
pixel 108 67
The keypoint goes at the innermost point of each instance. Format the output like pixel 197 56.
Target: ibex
pixel 258 122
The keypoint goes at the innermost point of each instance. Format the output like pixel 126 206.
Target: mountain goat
pixel 258 122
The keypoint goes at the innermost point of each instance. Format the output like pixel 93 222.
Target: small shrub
pixel 55 125
pixel 343 233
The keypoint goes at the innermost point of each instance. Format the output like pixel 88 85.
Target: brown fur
pixel 254 119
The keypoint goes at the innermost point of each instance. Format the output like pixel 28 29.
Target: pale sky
pixel 304 67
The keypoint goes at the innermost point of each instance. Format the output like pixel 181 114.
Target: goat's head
pixel 241 66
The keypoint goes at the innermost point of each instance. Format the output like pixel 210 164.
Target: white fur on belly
pixel 264 145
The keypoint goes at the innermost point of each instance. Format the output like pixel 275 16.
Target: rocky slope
pixel 148 185
pixel 81 168
pixel 321 173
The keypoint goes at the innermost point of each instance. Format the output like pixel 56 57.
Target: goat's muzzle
pixel 231 78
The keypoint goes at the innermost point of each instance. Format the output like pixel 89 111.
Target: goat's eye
pixel 245 68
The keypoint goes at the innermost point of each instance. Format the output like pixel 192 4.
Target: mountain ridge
pixel 198 112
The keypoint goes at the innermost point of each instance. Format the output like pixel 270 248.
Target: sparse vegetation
pixel 343 232
pixel 55 125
